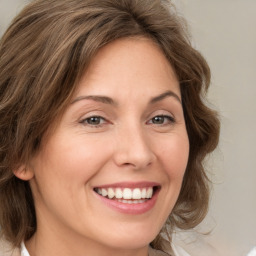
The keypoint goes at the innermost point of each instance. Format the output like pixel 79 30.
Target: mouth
pixel 127 195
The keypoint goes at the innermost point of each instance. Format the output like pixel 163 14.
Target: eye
pixel 94 121
pixel 162 120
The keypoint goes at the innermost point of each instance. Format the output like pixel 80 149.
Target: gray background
pixel 225 32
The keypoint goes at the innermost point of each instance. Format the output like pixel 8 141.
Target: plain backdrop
pixel 225 32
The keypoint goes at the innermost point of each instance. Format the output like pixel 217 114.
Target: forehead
pixel 129 64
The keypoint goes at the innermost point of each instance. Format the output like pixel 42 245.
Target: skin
pixel 128 144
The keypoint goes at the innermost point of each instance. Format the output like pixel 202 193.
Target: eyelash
pixel 168 119
pixel 86 121
pixel 165 118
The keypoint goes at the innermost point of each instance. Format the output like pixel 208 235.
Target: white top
pixel 178 251
pixel 252 252
pixel 24 251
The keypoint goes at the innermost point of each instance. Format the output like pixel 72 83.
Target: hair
pixel 43 55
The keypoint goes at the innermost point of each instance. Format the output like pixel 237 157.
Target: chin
pixel 132 240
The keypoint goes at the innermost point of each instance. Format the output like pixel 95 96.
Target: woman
pixel 103 129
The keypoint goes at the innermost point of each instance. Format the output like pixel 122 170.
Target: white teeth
pixel 144 193
pixel 136 193
pixel 119 193
pixel 104 192
pixel 127 193
pixel 131 201
pixel 111 193
pixel 149 192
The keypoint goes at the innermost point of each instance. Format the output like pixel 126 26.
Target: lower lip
pixel 127 208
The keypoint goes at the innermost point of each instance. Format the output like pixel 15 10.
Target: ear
pixel 24 173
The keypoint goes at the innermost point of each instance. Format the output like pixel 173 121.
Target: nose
pixel 133 149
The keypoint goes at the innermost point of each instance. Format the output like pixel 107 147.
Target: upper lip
pixel 141 184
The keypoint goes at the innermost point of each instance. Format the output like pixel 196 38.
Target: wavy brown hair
pixel 43 55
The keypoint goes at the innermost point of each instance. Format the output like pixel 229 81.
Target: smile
pixel 126 195
pixel 129 199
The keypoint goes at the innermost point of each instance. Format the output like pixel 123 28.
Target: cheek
pixel 71 161
pixel 86 157
pixel 63 170
pixel 174 156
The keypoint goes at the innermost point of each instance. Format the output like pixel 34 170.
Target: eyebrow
pixel 110 101
pixel 165 95
pixel 97 98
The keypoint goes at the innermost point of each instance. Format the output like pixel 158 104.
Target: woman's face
pixel 110 173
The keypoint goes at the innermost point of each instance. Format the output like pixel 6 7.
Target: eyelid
pixel 169 117
pixel 84 120
pixel 161 112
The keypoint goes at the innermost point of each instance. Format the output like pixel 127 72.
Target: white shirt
pixel 179 251
pixel 24 251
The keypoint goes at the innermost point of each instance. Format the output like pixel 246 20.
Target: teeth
pixel 126 194
pixel 144 193
pixel 104 192
pixel 149 193
pixel 136 193
pixel 99 191
pixel 131 201
pixel 111 193
pixel 118 193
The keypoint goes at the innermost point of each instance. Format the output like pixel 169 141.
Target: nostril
pixel 133 150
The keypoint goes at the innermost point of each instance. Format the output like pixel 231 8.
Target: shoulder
pixel 6 249
pixel 179 251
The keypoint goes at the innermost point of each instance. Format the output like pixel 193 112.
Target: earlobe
pixel 23 173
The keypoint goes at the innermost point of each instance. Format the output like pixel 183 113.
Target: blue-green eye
pixel 162 119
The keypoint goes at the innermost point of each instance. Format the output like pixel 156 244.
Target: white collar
pixel 24 251
pixel 178 251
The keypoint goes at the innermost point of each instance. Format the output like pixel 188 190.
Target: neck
pixel 39 246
